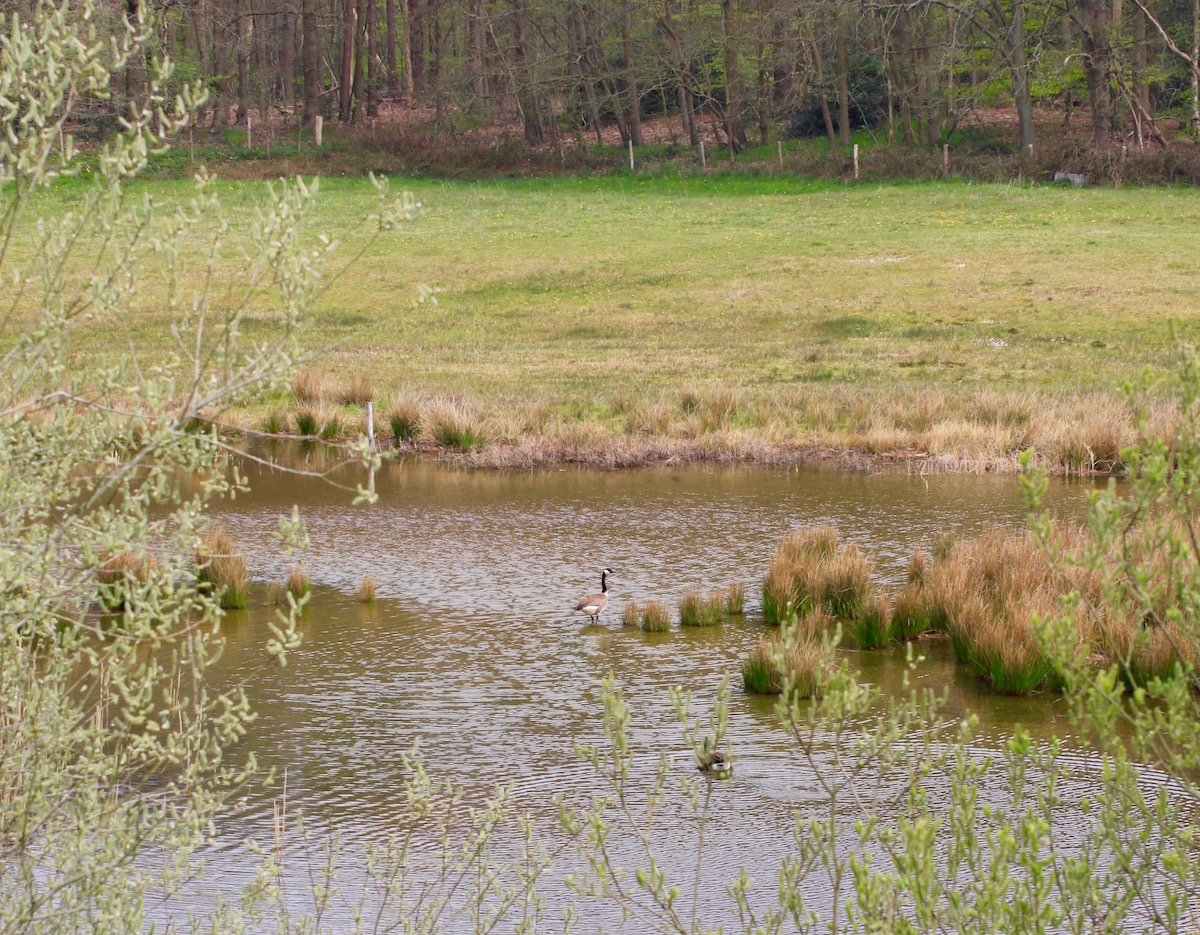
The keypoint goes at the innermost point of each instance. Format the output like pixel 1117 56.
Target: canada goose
pixel 713 761
pixel 593 605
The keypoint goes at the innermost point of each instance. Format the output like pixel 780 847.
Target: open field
pixel 745 317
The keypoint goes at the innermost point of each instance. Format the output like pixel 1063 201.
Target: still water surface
pixel 472 646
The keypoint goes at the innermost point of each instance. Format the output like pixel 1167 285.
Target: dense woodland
pixel 733 70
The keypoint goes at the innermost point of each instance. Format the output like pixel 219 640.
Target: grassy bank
pixel 623 320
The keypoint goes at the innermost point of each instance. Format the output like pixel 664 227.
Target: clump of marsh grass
pixel 796 658
pixel 359 392
pixel 276 422
pixel 699 610
pixel 405 420
pixel 276 593
pixel 630 614
pixel 308 421
pixel 811 572
pixel 735 599
pixel 451 425
pixel 870 627
pixel 1085 435
pixel 910 610
pixel 221 571
pixel 331 424
pixel 298 582
pixel 986 593
pixel 121 576
pixel 656 617
pixel 310 387
pixel 366 590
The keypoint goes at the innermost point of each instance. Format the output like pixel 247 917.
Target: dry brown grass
pixel 221 569
pixel 986 592
pixel 310 387
pixel 811 572
pixel 298 581
pixel 656 617
pixel 359 391
pixel 366 590
pixel 735 599
pixel 631 614
pixel 762 674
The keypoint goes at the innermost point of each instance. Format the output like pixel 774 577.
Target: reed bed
pixel 630 614
pixel 701 610
pixel 655 617
pixel 366 590
pixel 221 571
pixel 985 593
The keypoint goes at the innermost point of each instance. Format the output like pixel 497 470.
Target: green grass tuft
pixel 697 610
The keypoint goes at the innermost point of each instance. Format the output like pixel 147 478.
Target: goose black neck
pixel 604 582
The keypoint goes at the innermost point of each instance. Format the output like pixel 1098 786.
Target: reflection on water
pixel 472 646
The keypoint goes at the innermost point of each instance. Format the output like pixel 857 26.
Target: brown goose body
pixel 594 605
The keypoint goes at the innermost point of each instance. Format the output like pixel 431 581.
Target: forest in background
pixel 737 72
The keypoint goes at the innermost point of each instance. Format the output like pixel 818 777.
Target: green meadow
pixel 871 318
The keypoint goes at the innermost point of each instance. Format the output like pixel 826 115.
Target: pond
pixel 472 645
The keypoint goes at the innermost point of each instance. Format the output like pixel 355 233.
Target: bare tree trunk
pixel 1141 90
pixel 527 98
pixel 843 80
pixel 221 59
pixel 1196 70
pixel 475 53
pixel 734 130
pixel 245 44
pixel 265 83
pixel 310 60
pixel 134 69
pixel 436 49
pixel 631 81
pixel 393 74
pixel 358 92
pixel 1095 17
pixel 577 40
pixel 414 21
pixel 406 41
pixel 287 58
pixel 372 58
pixel 1019 66
pixel 346 72
pixel 826 116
